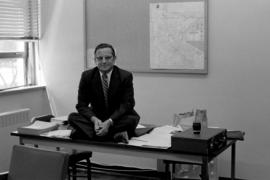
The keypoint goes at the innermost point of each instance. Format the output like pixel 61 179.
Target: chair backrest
pixel 28 163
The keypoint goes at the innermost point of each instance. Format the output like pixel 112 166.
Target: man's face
pixel 104 59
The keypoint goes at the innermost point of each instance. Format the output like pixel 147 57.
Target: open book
pixel 38 127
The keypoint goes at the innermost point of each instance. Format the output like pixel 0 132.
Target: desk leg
pixel 233 162
pixel 21 141
pixel 167 171
pixel 204 169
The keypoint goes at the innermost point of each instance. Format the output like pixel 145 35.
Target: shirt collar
pixel 109 74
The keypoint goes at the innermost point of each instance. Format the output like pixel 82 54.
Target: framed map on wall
pixel 150 36
pixel 177 36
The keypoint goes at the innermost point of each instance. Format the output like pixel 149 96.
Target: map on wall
pixel 177 35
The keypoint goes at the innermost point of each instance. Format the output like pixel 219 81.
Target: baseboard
pixel 227 178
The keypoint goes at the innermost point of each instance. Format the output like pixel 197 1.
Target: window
pixel 19 35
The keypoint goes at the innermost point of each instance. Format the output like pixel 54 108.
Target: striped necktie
pixel 105 86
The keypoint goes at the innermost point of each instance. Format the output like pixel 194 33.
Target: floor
pixel 110 172
pixel 114 176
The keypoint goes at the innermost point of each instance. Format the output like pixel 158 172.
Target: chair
pixel 77 160
pixel 29 163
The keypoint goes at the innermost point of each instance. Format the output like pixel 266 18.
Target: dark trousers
pixel 84 128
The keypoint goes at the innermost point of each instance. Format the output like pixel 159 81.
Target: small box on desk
pixel 208 141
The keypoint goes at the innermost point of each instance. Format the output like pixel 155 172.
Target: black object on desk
pixel 208 141
pixel 196 127
pixel 45 118
pixel 237 135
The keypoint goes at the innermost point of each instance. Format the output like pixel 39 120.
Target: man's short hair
pixel 105 45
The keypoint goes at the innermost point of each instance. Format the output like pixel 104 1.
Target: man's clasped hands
pixel 101 127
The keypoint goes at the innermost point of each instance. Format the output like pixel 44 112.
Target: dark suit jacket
pixel 120 97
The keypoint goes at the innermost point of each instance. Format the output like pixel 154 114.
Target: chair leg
pixel 69 174
pixel 167 170
pixel 88 169
pixel 74 172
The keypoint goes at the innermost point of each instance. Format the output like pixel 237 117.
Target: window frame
pixel 26 29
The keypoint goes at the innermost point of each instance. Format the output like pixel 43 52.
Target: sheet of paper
pixel 58 133
pixel 159 137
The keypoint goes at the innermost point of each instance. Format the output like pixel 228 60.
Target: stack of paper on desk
pixel 159 137
pixel 38 127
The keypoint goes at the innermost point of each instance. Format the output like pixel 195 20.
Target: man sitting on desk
pixel 105 101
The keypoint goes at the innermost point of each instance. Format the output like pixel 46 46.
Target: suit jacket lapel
pixel 98 84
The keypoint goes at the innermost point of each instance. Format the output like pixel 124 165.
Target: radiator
pixel 14 117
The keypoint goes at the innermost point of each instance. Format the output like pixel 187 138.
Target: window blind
pixel 19 19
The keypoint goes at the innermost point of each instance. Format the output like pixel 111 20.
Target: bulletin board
pixel 149 35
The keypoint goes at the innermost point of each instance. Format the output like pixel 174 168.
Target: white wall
pixel 235 92
pixel 62 51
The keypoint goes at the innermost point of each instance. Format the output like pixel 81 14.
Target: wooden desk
pixel 123 149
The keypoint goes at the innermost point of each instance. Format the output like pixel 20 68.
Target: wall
pixel 61 51
pixel 235 92
pixel 34 99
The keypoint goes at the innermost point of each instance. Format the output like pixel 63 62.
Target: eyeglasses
pixel 107 58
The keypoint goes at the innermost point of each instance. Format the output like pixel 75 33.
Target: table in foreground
pixel 137 151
